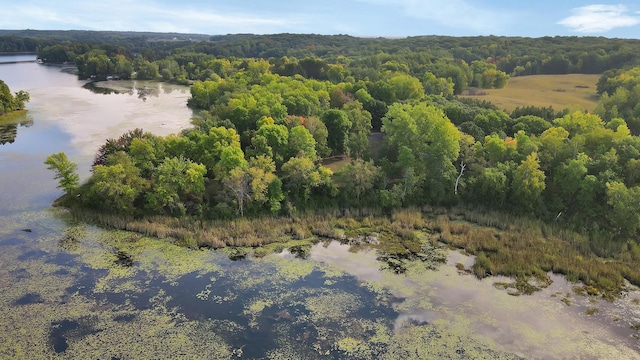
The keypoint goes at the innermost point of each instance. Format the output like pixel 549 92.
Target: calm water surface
pixel 20 57
pixel 70 290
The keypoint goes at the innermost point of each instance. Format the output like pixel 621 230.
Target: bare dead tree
pixel 462 167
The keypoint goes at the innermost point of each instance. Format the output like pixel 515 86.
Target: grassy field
pixel 336 162
pixel 573 91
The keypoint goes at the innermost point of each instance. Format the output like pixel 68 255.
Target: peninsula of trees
pixel 297 123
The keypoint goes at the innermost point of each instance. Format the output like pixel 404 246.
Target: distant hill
pixel 100 36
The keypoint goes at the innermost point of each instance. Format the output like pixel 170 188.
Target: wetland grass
pixel 591 311
pixel 522 248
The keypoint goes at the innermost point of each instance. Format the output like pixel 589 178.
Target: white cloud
pixel 599 18
pixel 146 15
pixel 461 14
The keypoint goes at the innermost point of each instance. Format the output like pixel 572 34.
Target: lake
pixel 16 58
pixel 71 290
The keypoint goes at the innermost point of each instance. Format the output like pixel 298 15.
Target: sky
pixel 392 18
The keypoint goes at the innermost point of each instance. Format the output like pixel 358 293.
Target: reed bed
pixel 503 244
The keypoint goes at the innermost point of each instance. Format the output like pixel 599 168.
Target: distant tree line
pixel 512 55
pixel 484 62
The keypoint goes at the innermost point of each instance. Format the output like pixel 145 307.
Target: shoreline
pixel 12 116
pixel 525 250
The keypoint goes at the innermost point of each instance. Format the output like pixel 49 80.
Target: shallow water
pixel 540 326
pixel 70 290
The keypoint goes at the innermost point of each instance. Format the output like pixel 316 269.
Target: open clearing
pixel 573 91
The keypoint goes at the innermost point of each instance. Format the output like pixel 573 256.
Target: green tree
pixel 493 78
pixel 178 187
pixel 491 188
pixel 437 86
pixel 300 176
pixel 456 70
pixel 112 146
pixel 632 172
pixel 94 63
pixel 624 207
pixel 433 140
pixel 54 54
pixel 9 102
pixel 524 144
pixel 528 184
pixel 144 154
pixel 20 99
pixel 122 67
pixel 301 142
pixel 6 98
pixel 336 73
pixel 277 139
pixel 232 157
pixel 338 126
pixel 266 187
pixel 360 129
pixel 254 182
pixel 620 97
pixel 579 122
pixel 65 171
pixel 495 149
pixel 115 186
pixel 203 94
pixel 207 149
pixel 383 91
pixel 531 124
pixel 319 131
pixel 377 108
pixel 147 71
pixel 338 98
pixel 492 121
pixel 406 87
pixel 567 179
pixel 554 145
pixel 357 180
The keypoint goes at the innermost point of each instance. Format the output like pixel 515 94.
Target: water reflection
pixel 8 133
pixel 552 323
pixel 91 86
pixel 9 130
pixel 125 105
pixel 143 89
pixel 145 92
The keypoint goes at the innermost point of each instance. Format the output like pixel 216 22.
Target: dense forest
pixel 292 124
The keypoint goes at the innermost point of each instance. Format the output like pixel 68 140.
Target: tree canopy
pixel 290 122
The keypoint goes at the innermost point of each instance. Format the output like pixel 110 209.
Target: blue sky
pixel 353 17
